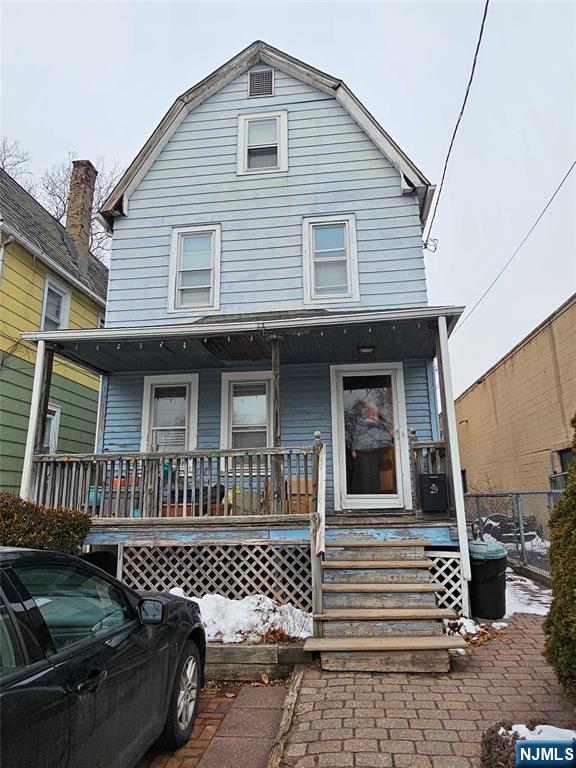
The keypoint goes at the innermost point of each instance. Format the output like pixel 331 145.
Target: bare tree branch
pixel 15 160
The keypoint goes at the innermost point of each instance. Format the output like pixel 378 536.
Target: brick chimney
pixel 79 212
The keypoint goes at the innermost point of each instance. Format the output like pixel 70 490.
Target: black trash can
pixel 488 584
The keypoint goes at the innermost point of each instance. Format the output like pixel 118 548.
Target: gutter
pixel 250 326
pixel 39 253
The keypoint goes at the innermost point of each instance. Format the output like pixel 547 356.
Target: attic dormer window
pixel 262 142
pixel 261 83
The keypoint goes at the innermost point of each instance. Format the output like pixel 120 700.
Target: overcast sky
pixel 97 77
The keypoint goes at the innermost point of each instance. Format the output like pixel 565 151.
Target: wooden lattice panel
pixel 281 572
pixel 446 571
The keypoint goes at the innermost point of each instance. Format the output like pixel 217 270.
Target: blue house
pixel 268 415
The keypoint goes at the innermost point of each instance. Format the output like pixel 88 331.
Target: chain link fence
pixel 517 520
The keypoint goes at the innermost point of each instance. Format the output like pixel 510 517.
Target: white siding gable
pixel 333 168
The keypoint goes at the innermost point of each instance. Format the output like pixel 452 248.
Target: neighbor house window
pixel 56 307
pixel 195 268
pixel 246 421
pixel 330 260
pixel 169 413
pixel 51 429
pixel 262 142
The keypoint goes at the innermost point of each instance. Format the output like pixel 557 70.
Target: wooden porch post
pixel 38 408
pixel 451 440
pixel 277 474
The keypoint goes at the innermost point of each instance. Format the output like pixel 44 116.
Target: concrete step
pixel 433 586
pixel 386 613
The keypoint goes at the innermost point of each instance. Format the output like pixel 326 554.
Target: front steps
pixel 379 611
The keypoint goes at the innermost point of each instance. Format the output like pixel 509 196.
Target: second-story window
pixel 195 268
pixel 56 307
pixel 330 260
pixel 262 143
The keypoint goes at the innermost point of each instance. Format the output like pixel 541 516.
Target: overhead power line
pixel 427 240
pixel 507 264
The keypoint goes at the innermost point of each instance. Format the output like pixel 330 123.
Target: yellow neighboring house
pixel 514 422
pixel 48 280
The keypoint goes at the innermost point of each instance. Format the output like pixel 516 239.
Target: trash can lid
pixel 486 550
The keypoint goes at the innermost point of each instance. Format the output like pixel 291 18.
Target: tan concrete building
pixel 514 422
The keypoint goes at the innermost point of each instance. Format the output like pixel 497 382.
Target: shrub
pixel 25 524
pixel 560 626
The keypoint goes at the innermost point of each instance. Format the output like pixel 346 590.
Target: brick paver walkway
pixel 425 721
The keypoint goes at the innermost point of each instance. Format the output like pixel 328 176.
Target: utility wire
pixel 427 240
pixel 506 265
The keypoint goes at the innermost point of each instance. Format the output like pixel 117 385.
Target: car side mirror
pixel 151 611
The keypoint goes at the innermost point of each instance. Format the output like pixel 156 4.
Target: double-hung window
pixel 51 428
pixel 262 142
pixel 246 421
pixel 330 260
pixel 56 307
pixel 169 413
pixel 195 268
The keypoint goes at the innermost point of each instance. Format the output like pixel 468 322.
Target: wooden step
pixel 337 614
pixel 383 587
pixel 424 563
pixel 402 643
pixel 416 661
pixel 372 543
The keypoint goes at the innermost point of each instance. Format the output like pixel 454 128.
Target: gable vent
pixel 261 83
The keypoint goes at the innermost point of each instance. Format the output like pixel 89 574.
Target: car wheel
pixel 183 700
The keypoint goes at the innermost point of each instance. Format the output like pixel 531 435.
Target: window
pixel 195 268
pixel 330 260
pixel 76 605
pixel 56 306
pixel 169 413
pixel 565 456
pixel 11 656
pixel 101 321
pixel 246 421
pixel 51 428
pixel 262 142
pixel 261 82
pixel 464 481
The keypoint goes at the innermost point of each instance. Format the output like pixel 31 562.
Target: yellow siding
pixel 513 422
pixel 21 297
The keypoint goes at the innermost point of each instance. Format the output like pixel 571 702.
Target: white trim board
pixel 188 379
pixel 404 496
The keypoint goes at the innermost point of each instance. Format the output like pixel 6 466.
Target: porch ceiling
pixel 318 338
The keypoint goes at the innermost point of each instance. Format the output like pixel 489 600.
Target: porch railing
pixel 194 484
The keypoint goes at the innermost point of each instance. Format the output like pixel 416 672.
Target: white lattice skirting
pixel 281 572
pixel 447 572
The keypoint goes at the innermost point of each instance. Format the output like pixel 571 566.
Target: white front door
pixel 370 440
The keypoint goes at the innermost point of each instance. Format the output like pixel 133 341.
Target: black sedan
pixel 92 673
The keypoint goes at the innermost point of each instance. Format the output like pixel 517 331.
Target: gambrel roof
pixel 413 180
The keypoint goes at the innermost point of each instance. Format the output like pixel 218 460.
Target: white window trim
pixel 216 231
pixel 263 95
pixel 404 496
pixel 226 412
pixel 349 220
pixel 55 427
pixel 66 295
pixel 242 159
pixel 191 381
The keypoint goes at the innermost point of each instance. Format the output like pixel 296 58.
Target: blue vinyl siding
pixel 305 408
pixel 333 168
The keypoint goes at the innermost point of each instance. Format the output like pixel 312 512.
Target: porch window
pixel 246 421
pixel 51 429
pixel 56 307
pixel 262 142
pixel 169 413
pixel 195 268
pixel 330 259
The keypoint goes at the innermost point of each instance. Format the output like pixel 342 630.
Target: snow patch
pixel 499 625
pixel 461 626
pixel 525 596
pixel 247 620
pixel 540 733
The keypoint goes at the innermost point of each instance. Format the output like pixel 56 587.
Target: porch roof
pixel 313 336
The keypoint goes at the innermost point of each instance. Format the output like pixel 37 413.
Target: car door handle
pixel 92 682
